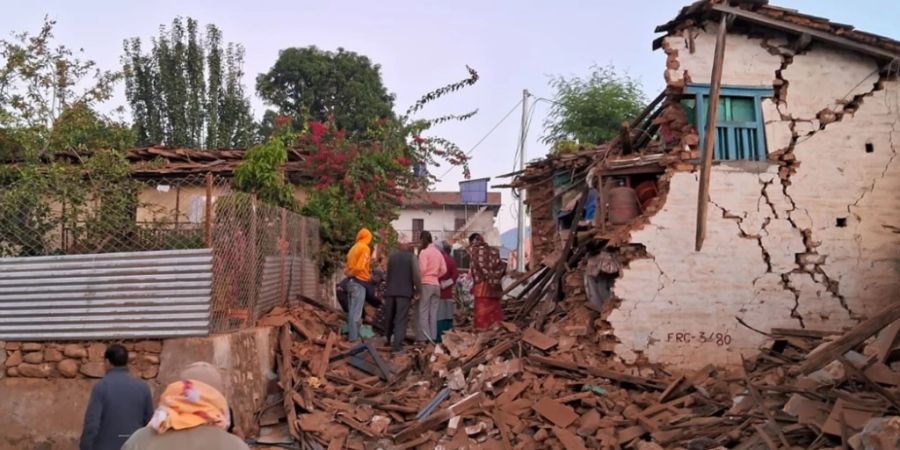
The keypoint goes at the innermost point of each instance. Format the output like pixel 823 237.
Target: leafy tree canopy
pixel 186 91
pixel 591 109
pixel 312 84
pixel 359 182
pixel 39 81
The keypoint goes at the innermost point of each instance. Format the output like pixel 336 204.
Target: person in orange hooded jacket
pixel 359 270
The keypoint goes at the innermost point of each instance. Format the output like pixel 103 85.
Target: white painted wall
pixel 441 222
pixel 754 263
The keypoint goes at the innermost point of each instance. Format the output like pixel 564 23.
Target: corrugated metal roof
pixel 109 296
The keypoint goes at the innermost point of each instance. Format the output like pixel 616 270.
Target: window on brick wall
pixel 458 223
pixel 740 129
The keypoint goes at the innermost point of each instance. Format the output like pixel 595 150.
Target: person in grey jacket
pixel 119 405
pixel 403 283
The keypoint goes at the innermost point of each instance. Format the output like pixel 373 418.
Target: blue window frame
pixel 740 130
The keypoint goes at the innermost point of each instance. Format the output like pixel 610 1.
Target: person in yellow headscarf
pixel 193 414
pixel 359 270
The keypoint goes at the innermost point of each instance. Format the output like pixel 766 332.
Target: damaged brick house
pixel 803 210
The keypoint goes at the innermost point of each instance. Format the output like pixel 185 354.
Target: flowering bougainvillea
pixel 363 181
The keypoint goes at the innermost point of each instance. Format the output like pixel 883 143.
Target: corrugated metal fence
pixel 106 296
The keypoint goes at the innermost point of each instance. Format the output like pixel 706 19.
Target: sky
pixel 422 45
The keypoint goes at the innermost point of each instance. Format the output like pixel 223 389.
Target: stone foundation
pixel 75 359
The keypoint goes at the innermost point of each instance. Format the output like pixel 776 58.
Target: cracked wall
pixel 807 239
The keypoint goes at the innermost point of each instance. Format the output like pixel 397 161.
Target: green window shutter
pixel 740 132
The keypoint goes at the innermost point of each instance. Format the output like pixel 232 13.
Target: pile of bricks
pixel 515 387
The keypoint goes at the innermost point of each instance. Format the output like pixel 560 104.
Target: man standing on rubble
pixel 433 267
pixel 359 270
pixel 487 271
pixel 448 299
pixel 403 283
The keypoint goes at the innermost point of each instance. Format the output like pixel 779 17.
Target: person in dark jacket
pixel 119 405
pixel 403 283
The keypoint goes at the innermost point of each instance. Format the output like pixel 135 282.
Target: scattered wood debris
pixel 519 388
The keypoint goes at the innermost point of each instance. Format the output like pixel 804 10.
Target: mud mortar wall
pixel 42 407
pixel 808 239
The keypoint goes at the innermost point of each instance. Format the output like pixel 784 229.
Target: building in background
pixel 451 215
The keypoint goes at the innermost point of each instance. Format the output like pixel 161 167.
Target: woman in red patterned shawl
pixel 487 272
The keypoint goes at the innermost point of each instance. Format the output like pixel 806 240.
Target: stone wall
pixel 246 359
pixel 75 360
pixel 42 407
pixel 808 239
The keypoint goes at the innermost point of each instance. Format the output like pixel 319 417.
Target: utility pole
pixel 520 235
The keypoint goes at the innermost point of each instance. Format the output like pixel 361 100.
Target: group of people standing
pixel 192 413
pixel 426 281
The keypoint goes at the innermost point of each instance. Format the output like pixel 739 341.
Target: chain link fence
pixel 263 255
pixel 266 256
pixel 135 215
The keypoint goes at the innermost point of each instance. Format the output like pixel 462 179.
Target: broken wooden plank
pixel 597 372
pixel 753 17
pixel 884 343
pixel 352 423
pixel 326 355
pixel 488 355
pixel 886 394
pixel 709 141
pixel 670 390
pixel 857 335
pixel 804 333
pixel 437 419
pixel 855 418
pixel 761 432
pixel 302 329
pixel 761 405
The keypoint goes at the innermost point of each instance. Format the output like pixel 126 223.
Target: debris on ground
pixel 517 387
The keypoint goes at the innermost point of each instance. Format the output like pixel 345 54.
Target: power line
pixel 469 153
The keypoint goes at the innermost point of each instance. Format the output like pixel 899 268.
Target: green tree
pixel 48 96
pixel 81 128
pixel 312 84
pixel 186 90
pixel 38 80
pixel 591 110
pixel 358 182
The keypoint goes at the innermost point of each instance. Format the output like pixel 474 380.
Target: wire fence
pixel 263 255
pixel 135 215
pixel 266 256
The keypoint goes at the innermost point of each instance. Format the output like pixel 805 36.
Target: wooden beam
pixel 888 395
pixel 761 19
pixel 851 339
pixel 597 372
pixel 815 334
pixel 709 140
pixel 761 405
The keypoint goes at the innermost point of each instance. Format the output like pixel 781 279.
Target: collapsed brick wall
pixel 807 239
pixel 75 359
pixel 544 237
